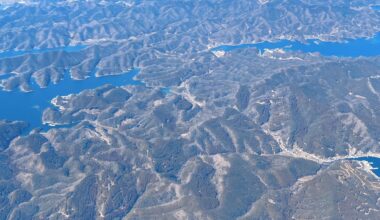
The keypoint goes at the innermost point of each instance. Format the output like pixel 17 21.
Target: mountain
pixel 208 134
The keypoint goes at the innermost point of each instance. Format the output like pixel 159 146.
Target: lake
pixel 349 48
pixel 17 105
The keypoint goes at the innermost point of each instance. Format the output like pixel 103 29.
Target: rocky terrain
pixel 120 35
pixel 239 135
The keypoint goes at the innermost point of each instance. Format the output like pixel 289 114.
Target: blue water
pixel 6 76
pixel 349 48
pixel 376 7
pixel 374 161
pixel 16 105
pixel 15 53
pixel 165 90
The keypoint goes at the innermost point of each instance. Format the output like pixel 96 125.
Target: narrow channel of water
pixel 15 53
pixel 348 48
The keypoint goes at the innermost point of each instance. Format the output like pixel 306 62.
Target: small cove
pixel 373 161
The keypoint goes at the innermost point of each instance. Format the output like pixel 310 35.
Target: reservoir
pixel 28 106
pixel 348 48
